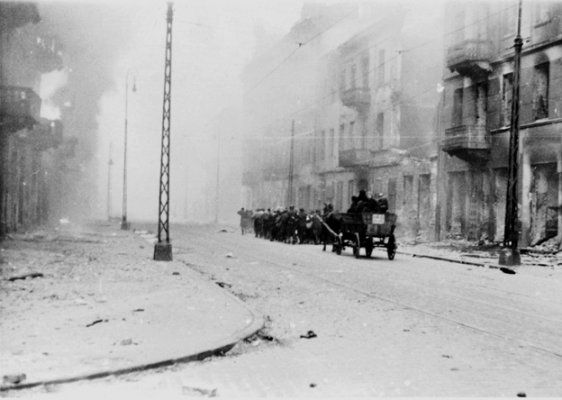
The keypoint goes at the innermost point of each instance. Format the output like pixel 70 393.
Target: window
pixel 323 145
pixel 408 191
pixel 351 138
pixel 342 137
pixel 392 194
pixel 480 103
pixel 342 80
pixel 380 130
pixel 350 191
pixel 507 97
pixel 540 90
pixel 381 67
pixel 457 107
pixel 339 196
pixel 353 76
pixel 365 71
pixel 331 143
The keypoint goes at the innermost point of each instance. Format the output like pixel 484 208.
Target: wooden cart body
pixel 367 230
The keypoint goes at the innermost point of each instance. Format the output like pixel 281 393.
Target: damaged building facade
pixel 365 116
pixel 30 150
pixel 476 119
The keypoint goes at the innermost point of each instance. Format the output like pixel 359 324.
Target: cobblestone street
pixel 340 326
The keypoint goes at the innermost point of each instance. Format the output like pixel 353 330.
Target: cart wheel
pixel 356 245
pixel 391 247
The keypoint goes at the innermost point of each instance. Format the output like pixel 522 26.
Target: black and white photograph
pixel 280 199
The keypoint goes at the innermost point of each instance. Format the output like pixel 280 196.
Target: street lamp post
pixel 109 164
pixel 124 224
pixel 511 231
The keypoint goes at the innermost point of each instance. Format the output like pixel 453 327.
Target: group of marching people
pixel 281 224
pixel 298 226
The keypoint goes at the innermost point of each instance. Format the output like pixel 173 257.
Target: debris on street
pixel 194 391
pixel 14 379
pixel 309 335
pixel 97 321
pixel 508 271
pixel 25 276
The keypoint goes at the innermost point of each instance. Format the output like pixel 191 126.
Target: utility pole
pixel 291 156
pixel 511 232
pixel 163 248
pixel 109 164
pixel 124 224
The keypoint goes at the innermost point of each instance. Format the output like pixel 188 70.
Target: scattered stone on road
pixel 14 379
pixel 309 335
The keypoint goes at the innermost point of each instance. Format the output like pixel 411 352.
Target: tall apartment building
pixel 378 130
pixel 27 157
pixel 364 97
pixel 280 84
pixel 476 116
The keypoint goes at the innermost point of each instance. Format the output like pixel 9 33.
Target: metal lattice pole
pixel 163 248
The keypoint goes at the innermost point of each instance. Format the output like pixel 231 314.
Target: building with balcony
pixel 476 118
pixel 363 95
pixel 378 133
pixel 282 92
pixel 28 143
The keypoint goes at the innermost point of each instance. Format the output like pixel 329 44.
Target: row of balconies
pixel 20 108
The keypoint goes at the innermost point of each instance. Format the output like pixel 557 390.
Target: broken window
pixel 507 98
pixel 540 92
pixel 457 107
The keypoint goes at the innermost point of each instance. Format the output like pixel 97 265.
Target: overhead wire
pixel 387 61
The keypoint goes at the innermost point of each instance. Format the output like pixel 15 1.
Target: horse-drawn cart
pixel 365 230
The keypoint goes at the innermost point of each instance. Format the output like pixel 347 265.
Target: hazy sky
pixel 212 41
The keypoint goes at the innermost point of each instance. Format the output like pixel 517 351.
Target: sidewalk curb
pixel 452 260
pixel 218 349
